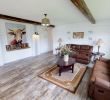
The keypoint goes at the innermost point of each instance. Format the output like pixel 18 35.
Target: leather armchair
pixel 102 90
pixel 99 86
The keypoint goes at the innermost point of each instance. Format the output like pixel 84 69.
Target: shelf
pixel 18 49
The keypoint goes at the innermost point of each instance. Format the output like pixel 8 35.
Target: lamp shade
pixel 60 40
pixel 45 21
pixel 99 42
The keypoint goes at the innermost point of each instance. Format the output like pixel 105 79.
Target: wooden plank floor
pixel 19 81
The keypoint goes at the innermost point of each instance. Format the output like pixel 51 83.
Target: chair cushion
pixel 83 56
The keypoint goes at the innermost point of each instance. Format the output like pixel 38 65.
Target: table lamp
pixel 60 42
pixel 98 43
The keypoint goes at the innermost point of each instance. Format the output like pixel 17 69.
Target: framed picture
pixel 16 36
pixel 78 35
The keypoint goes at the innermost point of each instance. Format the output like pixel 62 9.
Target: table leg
pixel 72 68
pixel 59 71
pixel 100 57
pixel 94 58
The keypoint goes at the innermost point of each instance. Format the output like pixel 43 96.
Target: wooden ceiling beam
pixel 6 17
pixel 81 5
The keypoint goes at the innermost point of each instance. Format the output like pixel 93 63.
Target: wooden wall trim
pixel 81 5
pixel 6 17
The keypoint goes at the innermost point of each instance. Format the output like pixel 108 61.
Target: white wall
pixel 36 46
pixel 1 56
pixel 99 30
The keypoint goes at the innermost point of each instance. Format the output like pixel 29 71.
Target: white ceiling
pixel 59 11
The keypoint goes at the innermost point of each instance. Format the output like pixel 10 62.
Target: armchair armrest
pixel 91 49
pixel 102 84
pixel 105 60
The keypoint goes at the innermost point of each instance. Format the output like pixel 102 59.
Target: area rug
pixel 67 80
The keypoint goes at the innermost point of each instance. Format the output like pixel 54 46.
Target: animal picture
pixel 16 33
pixel 78 35
pixel 17 36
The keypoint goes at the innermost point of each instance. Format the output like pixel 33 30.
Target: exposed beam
pixel 6 17
pixel 81 5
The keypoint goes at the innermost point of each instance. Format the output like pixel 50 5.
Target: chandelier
pixel 45 21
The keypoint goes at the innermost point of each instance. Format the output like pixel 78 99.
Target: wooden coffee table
pixel 64 66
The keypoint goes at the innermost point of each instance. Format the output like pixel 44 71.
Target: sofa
pixel 99 85
pixel 83 53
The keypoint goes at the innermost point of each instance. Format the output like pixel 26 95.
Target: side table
pixel 99 54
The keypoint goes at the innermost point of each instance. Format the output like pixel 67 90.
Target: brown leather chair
pixel 83 53
pixel 99 86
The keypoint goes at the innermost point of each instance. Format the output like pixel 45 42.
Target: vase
pixel 66 58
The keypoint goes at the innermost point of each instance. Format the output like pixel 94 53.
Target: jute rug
pixel 67 80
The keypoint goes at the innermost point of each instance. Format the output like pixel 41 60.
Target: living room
pixel 54 50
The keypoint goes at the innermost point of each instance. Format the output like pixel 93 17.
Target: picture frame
pixel 78 35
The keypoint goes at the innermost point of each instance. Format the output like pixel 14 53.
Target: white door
pixel 1 51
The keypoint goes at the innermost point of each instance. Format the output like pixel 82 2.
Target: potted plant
pixel 65 51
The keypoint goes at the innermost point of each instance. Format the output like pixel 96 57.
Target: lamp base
pixel 97 53
pixel 98 50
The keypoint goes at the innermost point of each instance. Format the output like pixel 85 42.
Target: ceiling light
pixel 36 33
pixel 45 21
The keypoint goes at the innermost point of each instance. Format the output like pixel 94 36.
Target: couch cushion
pixel 102 70
pixel 85 51
pixel 77 47
pixel 109 65
pixel 85 47
pixel 74 54
pixel 72 46
pixel 83 56
pixel 100 64
pixel 100 75
pixel 102 67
